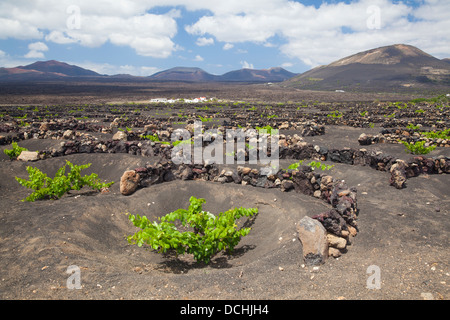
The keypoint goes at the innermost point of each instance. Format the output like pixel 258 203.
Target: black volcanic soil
pixel 403 232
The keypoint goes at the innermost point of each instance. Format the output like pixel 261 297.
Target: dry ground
pixel 404 232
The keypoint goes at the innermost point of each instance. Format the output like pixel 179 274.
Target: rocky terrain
pixel 354 190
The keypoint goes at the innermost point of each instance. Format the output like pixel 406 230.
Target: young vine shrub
pixel 418 147
pixel 15 151
pixel 48 188
pixel 211 234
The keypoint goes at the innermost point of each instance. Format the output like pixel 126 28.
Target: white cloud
pixel 198 58
pixel 204 41
pixel 232 28
pixel 59 37
pixel 121 22
pixel 228 46
pixel 149 34
pixel 35 55
pixel 287 65
pixel 246 65
pixel 37 50
pixel 12 28
pixel 38 46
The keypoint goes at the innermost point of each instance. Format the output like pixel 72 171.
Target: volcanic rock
pixel 129 182
pixel 287 185
pixel 68 134
pixel 336 242
pixel 312 235
pixel 326 183
pixel 398 174
pixel 28 156
pixel 120 135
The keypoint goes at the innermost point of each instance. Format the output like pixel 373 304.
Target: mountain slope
pixel 264 75
pixel 57 67
pixel 242 75
pixel 183 74
pixel 46 70
pixel 381 68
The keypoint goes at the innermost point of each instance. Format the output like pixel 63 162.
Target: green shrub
pixel 444 134
pixel 151 137
pixel 313 164
pixel 418 147
pixel 180 142
pixel 268 129
pixel 439 99
pixel 318 165
pixel 401 105
pixel 15 151
pixel 335 114
pixel 211 234
pixel 295 165
pixel 412 127
pixel 47 188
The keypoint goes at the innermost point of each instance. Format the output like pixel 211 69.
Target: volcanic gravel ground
pixel 403 232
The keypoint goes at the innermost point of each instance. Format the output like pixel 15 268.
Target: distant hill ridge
pixel 388 67
pixel 53 69
pixel 243 75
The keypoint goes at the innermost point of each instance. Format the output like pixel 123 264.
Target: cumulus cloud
pixel 201 42
pixel 287 65
pixel 59 37
pixel 246 65
pixel 37 50
pixel 92 24
pixel 198 58
pixel 228 46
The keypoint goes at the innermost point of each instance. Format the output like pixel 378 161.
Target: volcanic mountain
pixel 251 75
pixel 386 67
pixel 183 74
pixel 59 68
pixel 55 70
pixel 242 75
pixel 44 70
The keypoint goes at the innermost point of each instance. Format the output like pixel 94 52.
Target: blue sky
pixel 143 37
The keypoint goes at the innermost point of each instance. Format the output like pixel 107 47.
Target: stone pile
pixel 305 128
pixel 402 170
pixel 341 221
pixel 303 180
pixel 398 135
pixel 368 139
pixel 144 148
